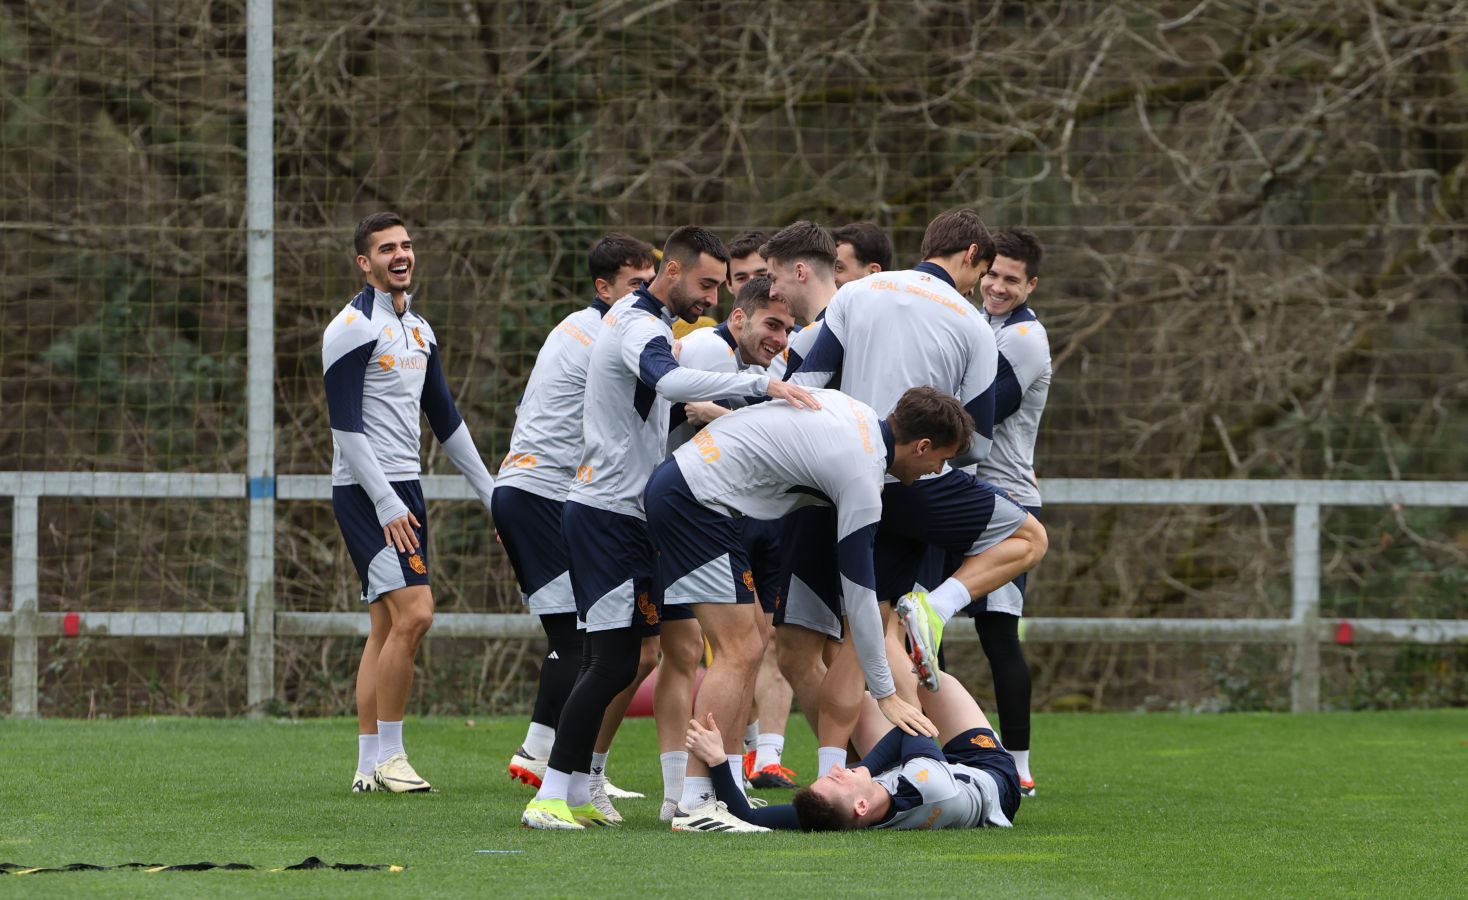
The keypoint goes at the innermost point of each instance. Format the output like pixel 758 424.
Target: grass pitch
pixel 1130 805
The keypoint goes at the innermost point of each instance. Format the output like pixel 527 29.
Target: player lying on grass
pixel 904 781
pixel 763 462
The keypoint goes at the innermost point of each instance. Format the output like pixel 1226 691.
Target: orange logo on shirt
pixel 417 336
pixel 706 446
pixel 351 317
pixel 932 819
pixel 644 606
pixel 982 740
pixel 749 580
pixel 520 461
pixel 387 362
pixel 583 474
pixel 415 562
pixel 923 776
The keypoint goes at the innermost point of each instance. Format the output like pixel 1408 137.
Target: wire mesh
pixel 1253 219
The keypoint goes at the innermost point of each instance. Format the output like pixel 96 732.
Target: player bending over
pixel 904 781
pixel 763 462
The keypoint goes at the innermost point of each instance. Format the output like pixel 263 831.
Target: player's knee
pixel 1038 540
pixel 413 623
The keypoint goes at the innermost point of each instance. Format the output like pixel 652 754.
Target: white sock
pixel 554 785
pixel 828 758
pixel 1022 762
pixel 366 753
pixel 948 598
pixel 768 750
pixel 675 766
pixel 578 793
pixel 599 768
pixel 736 765
pixel 539 740
pixel 751 735
pixel 736 768
pixel 389 740
pixel 697 790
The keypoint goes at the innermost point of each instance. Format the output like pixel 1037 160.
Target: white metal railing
pixel 259 623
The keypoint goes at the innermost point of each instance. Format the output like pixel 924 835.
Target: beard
pixel 684 305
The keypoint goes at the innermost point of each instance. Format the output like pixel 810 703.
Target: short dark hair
pixel 1020 244
pixel 816 813
pixel 754 295
pixel 689 242
pixel 926 412
pixel 954 231
pixel 801 241
pixel 747 243
pixel 613 251
pixel 869 243
pixel 378 221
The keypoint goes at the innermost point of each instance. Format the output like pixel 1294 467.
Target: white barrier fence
pixel 260 623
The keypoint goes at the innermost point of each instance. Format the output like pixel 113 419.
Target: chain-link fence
pixel 1255 267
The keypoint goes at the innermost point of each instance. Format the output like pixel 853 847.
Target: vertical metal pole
pixel 25 672
pixel 1305 610
pixel 260 223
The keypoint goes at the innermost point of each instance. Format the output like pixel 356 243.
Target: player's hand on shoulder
pixel 798 397
pixel 906 716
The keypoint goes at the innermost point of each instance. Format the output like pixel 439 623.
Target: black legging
pixel 999 634
pixel 559 669
pixel 608 664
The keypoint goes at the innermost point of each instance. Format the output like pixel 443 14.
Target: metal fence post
pixel 24 660
pixel 1305 609
pixel 260 224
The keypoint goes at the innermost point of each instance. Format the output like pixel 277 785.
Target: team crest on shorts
pixel 982 740
pixel 644 606
pixel 749 580
pixel 415 562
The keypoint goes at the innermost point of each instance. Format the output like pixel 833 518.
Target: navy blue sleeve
pixel 1007 393
pixel 822 367
pixel 792 363
pixel 344 383
pixel 981 409
pixel 854 556
pixel 438 402
pixel 920 745
pixel 885 754
pixel 778 818
pixel 655 361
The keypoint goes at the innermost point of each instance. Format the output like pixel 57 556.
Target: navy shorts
pixel 810 574
pixel 1009 599
pixel 612 570
pixel 700 551
pixel 955 512
pixel 761 538
pixel 380 566
pixel 979 748
pixel 529 526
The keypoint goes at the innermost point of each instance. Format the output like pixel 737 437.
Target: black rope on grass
pixel 311 862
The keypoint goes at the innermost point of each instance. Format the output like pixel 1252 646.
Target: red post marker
pixel 71 624
pixel 1345 633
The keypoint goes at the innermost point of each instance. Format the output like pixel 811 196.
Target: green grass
pixel 1357 804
